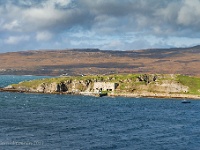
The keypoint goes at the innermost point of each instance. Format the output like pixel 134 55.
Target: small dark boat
pixel 185 101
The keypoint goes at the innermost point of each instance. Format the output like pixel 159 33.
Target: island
pixel 126 85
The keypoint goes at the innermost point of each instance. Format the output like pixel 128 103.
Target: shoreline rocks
pixel 133 95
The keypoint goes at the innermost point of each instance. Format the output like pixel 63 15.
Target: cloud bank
pixel 104 24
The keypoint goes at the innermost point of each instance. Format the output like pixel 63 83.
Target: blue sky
pixel 103 24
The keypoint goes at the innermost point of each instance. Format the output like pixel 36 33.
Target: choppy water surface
pixel 37 121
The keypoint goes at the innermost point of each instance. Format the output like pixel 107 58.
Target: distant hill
pixel 94 61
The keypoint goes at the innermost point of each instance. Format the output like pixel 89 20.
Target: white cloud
pixel 43 36
pixel 37 17
pixel 63 2
pixel 101 15
pixel 16 39
pixel 114 45
pixel 14 25
pixel 103 23
pixel 169 13
pixel 189 13
pixel 41 18
pixel 53 3
pixel 26 3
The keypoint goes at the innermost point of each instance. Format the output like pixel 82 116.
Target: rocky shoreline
pixel 157 95
pixel 133 95
pixel 95 94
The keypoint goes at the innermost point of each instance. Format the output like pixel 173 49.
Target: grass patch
pixel 192 82
pixel 28 84
pixel 35 83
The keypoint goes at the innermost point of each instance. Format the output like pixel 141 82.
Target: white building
pixel 104 86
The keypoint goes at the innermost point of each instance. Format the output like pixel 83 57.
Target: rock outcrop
pixel 64 87
pixel 147 78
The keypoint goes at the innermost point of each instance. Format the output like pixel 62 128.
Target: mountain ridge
pixel 95 61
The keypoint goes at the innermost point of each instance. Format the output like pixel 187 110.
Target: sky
pixel 103 24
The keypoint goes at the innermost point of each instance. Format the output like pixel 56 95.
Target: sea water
pixel 44 121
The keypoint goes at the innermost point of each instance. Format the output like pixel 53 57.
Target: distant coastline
pixel 75 62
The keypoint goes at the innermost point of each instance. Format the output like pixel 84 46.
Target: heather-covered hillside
pixel 93 61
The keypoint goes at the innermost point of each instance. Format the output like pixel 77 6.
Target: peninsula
pixel 126 85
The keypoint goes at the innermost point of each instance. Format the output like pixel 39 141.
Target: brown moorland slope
pixel 94 61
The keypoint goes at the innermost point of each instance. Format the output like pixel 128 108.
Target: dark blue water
pixel 36 121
